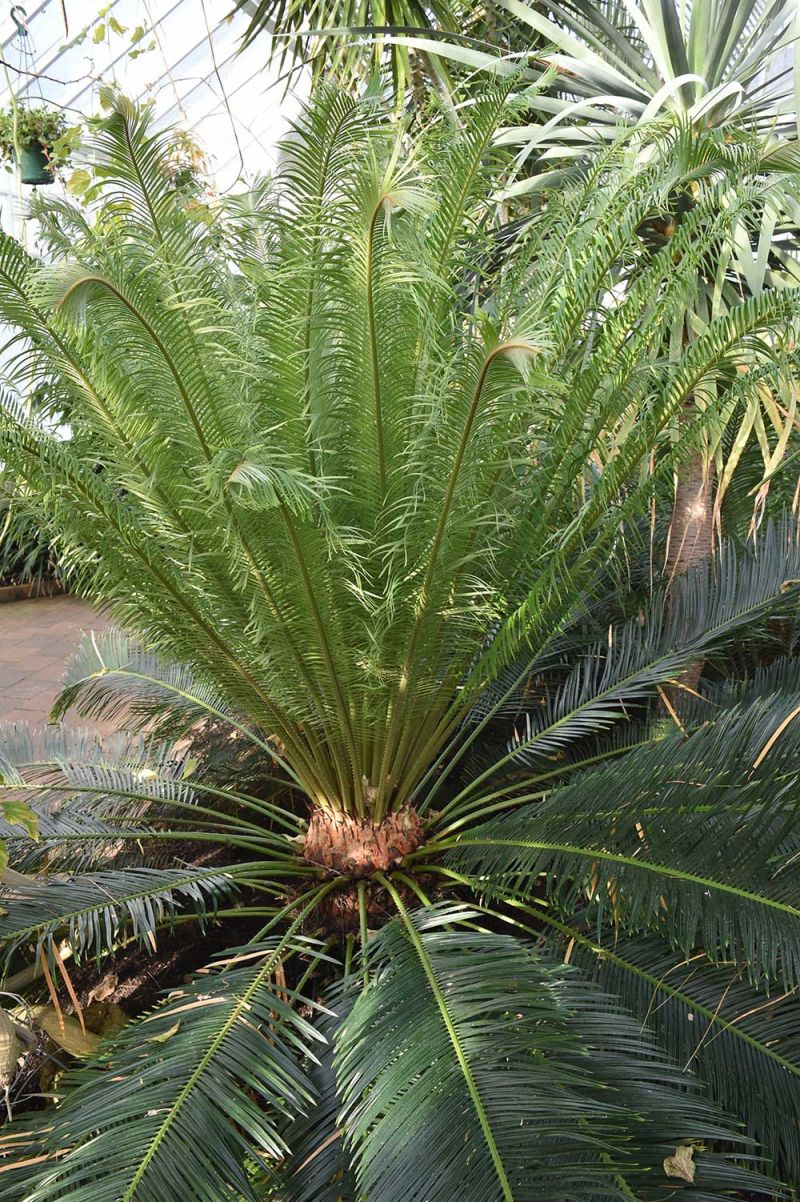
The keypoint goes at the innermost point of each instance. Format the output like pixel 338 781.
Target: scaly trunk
pixel 354 849
pixel 691 528
pixel 358 847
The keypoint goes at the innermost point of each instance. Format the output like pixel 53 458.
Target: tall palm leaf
pixel 289 28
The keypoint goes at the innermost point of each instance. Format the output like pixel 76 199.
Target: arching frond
pixel 744 1043
pixel 111 677
pixel 319 1168
pixel 158 1119
pixel 431 1057
pixel 321 484
pixel 693 836
pixel 704 610
pixel 96 912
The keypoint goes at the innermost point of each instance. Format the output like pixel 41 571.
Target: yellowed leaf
pixel 10 1048
pixel 78 182
pixel 66 1031
pixel 165 1035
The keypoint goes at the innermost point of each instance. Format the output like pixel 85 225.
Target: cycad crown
pixel 335 451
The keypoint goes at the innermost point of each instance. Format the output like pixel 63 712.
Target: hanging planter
pixel 35 165
pixel 43 138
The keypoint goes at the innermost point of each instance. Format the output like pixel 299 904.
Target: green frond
pixel 113 678
pixel 185 1094
pixel 98 911
pixel 81 758
pixel 695 837
pixel 744 1043
pixel 705 609
pixel 499 1066
pixel 319 1169
pixel 132 797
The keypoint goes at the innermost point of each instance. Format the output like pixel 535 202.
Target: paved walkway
pixel 36 640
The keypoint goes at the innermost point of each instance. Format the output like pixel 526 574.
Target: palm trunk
pixel 691 539
pixel 358 847
pixel 355 849
pixel 691 527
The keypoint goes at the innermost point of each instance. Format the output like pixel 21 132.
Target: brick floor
pixel 36 640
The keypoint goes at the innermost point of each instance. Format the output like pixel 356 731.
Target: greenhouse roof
pixel 177 53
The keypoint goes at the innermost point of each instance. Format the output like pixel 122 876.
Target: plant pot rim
pixel 32 590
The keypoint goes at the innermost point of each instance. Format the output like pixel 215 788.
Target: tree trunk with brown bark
pixel 691 536
pixel 691 528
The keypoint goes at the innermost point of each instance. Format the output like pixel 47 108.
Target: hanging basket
pixel 34 166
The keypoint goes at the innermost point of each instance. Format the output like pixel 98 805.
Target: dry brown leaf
pixel 73 997
pixel 104 988
pixel 51 989
pixel 681 1163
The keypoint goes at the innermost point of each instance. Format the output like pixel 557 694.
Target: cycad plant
pixel 721 64
pixel 362 494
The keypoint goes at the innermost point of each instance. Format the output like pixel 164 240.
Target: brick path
pixel 36 640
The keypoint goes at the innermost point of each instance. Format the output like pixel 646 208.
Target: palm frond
pixel 184 1095
pixel 745 1044
pixel 693 836
pixel 506 1109
pixel 96 912
pixel 319 1168
pixel 111 677
pixel 705 608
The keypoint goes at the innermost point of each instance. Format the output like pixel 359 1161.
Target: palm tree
pixel 300 33
pixel 363 495
pixel 722 64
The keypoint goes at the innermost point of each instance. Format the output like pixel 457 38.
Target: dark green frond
pixel 495 1064
pixel 703 610
pixel 97 911
pixel 187 1093
pixel 695 836
pixel 319 1168
pixel 744 1043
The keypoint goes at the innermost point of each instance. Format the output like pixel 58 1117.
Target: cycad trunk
pixel 359 847
pixel 691 527
pixel 691 534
